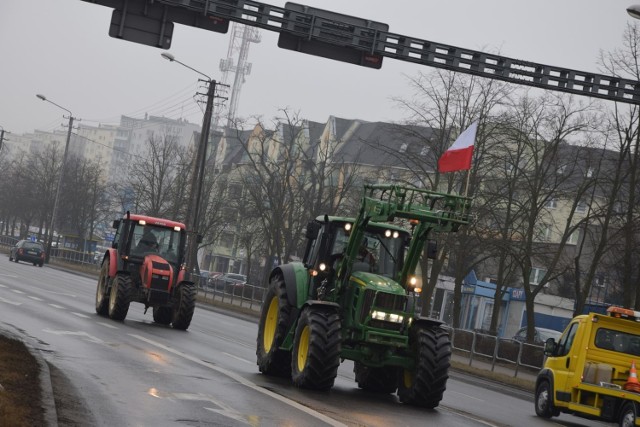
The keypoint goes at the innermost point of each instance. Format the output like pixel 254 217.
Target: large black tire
pixel 120 297
pixel 628 415
pixel 184 304
pixel 544 400
pixel 162 315
pixel 316 349
pixel 378 380
pixel 102 300
pixel 425 384
pixel 275 320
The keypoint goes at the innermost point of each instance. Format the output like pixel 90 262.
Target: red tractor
pixel 144 265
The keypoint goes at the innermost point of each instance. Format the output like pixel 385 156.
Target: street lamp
pixel 197 178
pixel 634 11
pixel 2 136
pixel 64 161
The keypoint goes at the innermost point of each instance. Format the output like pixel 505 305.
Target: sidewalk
pixel 498 373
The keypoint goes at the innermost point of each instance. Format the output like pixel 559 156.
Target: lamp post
pixel 197 178
pixel 1 137
pixel 64 161
pixel 634 11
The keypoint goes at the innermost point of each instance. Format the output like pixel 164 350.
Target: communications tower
pixel 236 62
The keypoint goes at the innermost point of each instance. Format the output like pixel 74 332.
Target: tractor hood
pixel 377 282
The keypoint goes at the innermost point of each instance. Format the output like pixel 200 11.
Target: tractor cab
pixel 380 252
pixel 138 236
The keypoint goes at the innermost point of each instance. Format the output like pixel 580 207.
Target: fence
pixel 496 350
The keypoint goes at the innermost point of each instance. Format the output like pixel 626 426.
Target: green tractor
pixel 354 297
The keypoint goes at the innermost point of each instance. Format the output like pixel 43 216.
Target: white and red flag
pixel 458 157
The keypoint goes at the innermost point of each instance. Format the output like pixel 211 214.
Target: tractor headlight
pixel 388 317
pixel 413 284
pixel 322 266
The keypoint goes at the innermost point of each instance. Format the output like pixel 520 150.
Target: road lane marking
pixel 81 334
pixel 238 358
pixel 56 306
pixel 107 325
pixel 10 302
pixel 35 298
pixel 17 291
pixel 80 315
pixel 245 382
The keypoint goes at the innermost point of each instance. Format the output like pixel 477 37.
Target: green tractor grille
pixel 382 301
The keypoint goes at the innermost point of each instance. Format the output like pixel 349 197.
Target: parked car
pixel 230 280
pixel 26 250
pixel 540 337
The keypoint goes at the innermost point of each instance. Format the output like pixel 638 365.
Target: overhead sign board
pixel 331 35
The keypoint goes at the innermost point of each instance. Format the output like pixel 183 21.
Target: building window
pixel 552 203
pixel 589 173
pixel 226 240
pixel 573 238
pixel 581 207
pixel 561 169
pixel 536 275
pixel 424 151
pixel 403 147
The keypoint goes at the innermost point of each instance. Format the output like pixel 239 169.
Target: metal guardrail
pixel 496 350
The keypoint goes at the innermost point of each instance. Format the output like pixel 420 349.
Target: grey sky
pixel 62 49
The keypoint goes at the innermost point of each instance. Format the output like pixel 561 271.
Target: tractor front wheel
pixel 424 385
pixel 102 302
pixel 378 380
pixel 120 297
pixel 275 320
pixel 316 349
pixel 184 305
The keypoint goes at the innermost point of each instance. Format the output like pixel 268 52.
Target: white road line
pixel 245 382
pixel 108 325
pixel 56 306
pixel 82 334
pixel 239 358
pixel 34 298
pixel 10 302
pixel 3 286
pixel 80 315
pixel 17 291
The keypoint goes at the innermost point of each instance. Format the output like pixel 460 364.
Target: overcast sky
pixel 61 49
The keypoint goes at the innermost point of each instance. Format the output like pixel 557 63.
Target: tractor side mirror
pixel 432 249
pixel 116 223
pixel 312 230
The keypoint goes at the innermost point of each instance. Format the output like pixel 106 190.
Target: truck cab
pixel 591 370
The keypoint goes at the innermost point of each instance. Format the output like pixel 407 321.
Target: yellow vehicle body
pixel 588 372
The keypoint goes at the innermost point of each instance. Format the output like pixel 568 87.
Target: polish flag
pixel 458 156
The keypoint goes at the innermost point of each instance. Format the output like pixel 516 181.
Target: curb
pixel 46 389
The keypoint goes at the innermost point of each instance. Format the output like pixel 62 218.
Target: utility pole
pixel 197 181
pixel 64 162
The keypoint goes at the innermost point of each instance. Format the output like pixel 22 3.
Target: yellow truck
pixel 590 372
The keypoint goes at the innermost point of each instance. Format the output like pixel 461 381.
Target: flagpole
pixel 466 187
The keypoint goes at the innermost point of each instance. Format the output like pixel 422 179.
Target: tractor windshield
pixel 381 251
pixel 164 241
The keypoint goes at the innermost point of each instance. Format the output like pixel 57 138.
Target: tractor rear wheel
pixel 275 321
pixel 184 304
pixel 425 384
pixel 102 302
pixel 120 297
pixel 378 380
pixel 316 349
pixel 162 315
